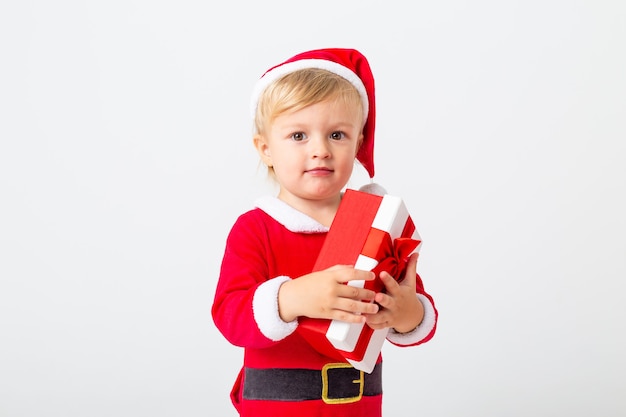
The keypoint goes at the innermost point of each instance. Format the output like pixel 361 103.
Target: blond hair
pixel 301 89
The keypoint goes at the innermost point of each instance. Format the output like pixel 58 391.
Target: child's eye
pixel 298 136
pixel 337 135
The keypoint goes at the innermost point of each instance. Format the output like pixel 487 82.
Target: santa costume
pixel 282 374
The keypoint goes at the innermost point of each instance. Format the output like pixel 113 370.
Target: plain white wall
pixel 126 155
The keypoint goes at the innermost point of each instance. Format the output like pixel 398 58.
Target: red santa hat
pixel 347 63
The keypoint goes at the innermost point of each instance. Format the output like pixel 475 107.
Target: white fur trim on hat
pixel 277 72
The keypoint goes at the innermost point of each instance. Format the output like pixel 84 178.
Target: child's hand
pixel 324 295
pixel 400 308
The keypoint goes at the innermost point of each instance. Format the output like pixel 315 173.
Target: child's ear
pixel 260 143
pixel 360 142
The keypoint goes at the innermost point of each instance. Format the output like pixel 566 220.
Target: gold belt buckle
pixel 344 400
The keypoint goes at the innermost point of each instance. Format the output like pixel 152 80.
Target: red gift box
pixel 371 232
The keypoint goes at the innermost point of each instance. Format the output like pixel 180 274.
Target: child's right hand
pixel 325 295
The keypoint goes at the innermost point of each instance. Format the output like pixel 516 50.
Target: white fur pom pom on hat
pixel 373 188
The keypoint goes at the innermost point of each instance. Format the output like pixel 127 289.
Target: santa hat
pixel 347 63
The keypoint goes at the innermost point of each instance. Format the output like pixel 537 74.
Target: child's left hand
pixel 399 306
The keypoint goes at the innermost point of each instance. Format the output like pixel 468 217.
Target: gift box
pixel 374 233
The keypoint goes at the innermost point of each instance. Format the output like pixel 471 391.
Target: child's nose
pixel 320 148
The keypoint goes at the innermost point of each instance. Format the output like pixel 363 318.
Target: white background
pixel 126 155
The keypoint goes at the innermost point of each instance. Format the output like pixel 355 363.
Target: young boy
pixel 314 116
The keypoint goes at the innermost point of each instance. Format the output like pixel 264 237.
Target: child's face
pixel 312 150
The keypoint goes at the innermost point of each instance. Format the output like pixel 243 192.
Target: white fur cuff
pixel 265 310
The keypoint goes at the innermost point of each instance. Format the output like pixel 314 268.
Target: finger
pixel 357 307
pixel 384 300
pixel 377 321
pixel 410 277
pixel 366 275
pixel 377 326
pixel 347 316
pixel 355 292
pixel 351 274
pixel 391 285
pixel 339 266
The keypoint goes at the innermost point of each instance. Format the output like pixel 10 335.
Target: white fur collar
pixel 292 219
pixel 295 220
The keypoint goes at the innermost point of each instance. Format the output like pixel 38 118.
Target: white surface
pixel 125 156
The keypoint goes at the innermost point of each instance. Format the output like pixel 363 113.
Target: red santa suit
pixel 282 374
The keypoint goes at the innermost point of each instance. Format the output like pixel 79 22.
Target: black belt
pixel 336 383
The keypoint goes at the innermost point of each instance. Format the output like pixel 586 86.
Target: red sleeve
pixel 244 267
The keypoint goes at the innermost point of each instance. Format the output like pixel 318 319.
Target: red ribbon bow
pixel 392 256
